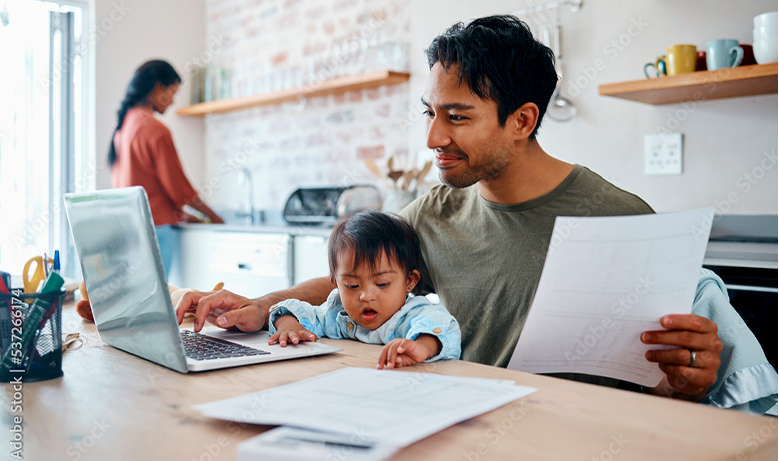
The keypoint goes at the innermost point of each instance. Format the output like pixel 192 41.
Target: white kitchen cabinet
pixel 187 261
pixel 310 258
pixel 249 263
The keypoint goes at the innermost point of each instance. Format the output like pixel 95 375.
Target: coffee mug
pixel 723 53
pixel 658 67
pixel 749 55
pixel 765 37
pixel 678 59
pixel 700 60
pixel 765 19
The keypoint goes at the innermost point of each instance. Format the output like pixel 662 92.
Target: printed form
pixel 605 281
pixel 394 407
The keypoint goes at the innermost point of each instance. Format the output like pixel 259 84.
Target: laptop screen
pixel 117 248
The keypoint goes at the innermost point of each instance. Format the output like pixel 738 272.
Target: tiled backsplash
pixel 319 141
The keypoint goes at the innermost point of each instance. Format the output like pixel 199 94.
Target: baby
pixel 376 267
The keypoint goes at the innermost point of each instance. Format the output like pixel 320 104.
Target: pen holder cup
pixel 31 352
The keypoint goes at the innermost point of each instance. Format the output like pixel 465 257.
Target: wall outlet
pixel 663 154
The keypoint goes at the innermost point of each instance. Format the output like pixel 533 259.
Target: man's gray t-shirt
pixel 485 259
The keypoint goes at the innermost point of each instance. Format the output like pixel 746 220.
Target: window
pixel 43 127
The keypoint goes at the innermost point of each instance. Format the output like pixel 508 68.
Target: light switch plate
pixel 663 154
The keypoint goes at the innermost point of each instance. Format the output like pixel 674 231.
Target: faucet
pixel 246 178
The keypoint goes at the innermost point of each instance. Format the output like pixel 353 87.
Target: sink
pixel 253 218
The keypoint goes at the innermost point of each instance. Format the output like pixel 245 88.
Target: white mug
pixel 764 35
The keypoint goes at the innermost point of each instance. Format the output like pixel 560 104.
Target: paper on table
pixel 379 405
pixel 293 444
pixel 605 281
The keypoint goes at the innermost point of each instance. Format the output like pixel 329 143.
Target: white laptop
pixel 120 259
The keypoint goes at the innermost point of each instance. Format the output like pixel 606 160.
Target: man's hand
pixel 405 352
pixel 222 308
pixel 288 328
pixel 690 333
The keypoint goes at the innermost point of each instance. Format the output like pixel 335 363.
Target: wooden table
pixel 111 405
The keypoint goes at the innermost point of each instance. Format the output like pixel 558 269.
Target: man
pixel 487 91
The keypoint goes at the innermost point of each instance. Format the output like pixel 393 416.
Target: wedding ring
pixel 693 359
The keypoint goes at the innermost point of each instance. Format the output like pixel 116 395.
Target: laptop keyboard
pixel 202 347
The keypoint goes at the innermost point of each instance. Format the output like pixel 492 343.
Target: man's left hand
pixel 689 333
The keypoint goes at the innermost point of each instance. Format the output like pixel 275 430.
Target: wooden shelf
pixel 735 82
pixel 327 87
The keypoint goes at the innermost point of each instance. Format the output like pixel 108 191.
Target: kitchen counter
pixel 743 241
pixel 266 222
pixel 741 254
pixel 269 228
pixel 718 253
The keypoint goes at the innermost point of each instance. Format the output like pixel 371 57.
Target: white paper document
pixel 395 407
pixel 293 444
pixel 605 281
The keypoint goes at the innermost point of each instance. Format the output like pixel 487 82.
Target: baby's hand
pixel 289 329
pixel 405 352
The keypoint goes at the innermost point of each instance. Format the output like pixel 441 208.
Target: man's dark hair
pixel 371 233
pixel 499 60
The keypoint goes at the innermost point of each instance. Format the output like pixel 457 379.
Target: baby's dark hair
pixel 368 234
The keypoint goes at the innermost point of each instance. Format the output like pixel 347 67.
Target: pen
pixel 56 266
pixel 45 265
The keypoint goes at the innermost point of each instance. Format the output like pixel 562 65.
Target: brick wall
pixel 321 142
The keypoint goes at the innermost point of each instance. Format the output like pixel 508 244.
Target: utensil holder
pixel 397 199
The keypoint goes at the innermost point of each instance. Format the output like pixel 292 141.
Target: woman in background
pixel 142 154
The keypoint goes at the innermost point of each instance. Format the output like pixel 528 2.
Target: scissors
pixel 31 281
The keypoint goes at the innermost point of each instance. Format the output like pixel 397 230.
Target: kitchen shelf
pixel 734 82
pixel 327 87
